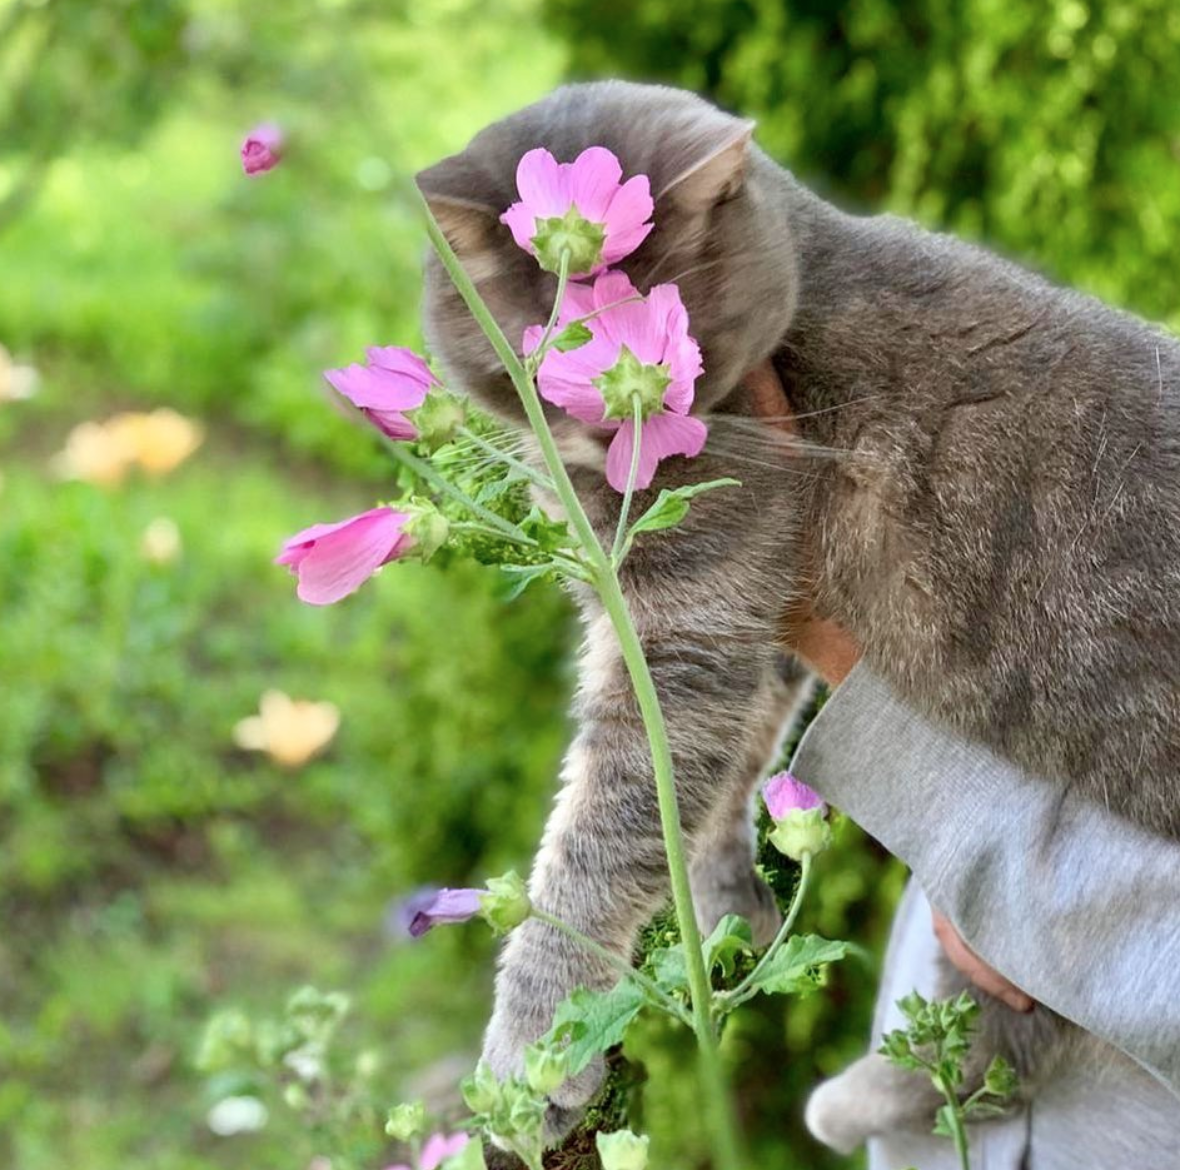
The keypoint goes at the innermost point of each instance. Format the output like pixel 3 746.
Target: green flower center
pixel 571 233
pixel 629 379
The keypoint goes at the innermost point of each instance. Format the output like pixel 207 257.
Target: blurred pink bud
pixel 262 149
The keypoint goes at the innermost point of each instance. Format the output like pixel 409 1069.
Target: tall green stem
pixel 616 552
pixel 722 1123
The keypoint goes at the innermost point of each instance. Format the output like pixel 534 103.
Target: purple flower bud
pixel 447 906
pixel 263 149
pixel 798 813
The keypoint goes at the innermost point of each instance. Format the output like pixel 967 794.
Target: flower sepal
pixel 505 904
pixel 570 233
pixel 438 419
pixel 427 528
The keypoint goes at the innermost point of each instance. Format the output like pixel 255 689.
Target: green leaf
pixel 795 968
pixel 669 968
pixel 593 1021
pixel 946 1123
pixel 672 506
pixel 731 937
pixel 524 575
pixel 573 336
pixel 552 535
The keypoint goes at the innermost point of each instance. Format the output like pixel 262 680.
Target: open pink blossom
pixel 784 795
pixel 637 348
pixel 334 560
pixel 436 1150
pixel 263 149
pixel 392 381
pixel 582 207
pixel 445 908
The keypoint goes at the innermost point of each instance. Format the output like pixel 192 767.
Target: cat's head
pixel 719 233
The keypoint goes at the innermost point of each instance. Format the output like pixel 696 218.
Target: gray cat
pixel 984 491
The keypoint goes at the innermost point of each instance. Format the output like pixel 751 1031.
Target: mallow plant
pixel 623 360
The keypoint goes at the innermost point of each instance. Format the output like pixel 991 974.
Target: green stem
pixel 563 275
pixel 618 963
pixel 616 552
pixel 528 472
pixel 423 469
pixel 722 1123
pixel 743 991
pixel 960 1134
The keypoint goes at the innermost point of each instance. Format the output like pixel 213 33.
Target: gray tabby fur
pixel 984 492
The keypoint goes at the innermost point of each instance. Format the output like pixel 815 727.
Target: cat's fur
pixel 986 495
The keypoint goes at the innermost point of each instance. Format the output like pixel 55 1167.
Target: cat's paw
pixel 718 890
pixel 870 1098
pixel 540 968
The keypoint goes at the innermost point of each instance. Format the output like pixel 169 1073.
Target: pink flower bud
pixel 262 149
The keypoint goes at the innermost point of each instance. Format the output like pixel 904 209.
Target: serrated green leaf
pixel 573 336
pixel 672 506
pixel 669 969
pixel 551 535
pixel 590 1022
pixel 731 937
pixel 795 967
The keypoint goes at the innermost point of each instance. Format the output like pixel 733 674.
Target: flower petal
pixel 784 794
pixel 661 436
pixel 401 360
pixel 542 183
pixel 593 181
pixel 439 1147
pixel 341 557
pixel 447 906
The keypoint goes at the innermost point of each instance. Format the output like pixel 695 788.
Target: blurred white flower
pixel 290 731
pixel 160 542
pixel 234 1115
pixel 16 382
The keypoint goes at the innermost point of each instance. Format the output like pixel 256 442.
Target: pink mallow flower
pixel 262 150
pixel 334 560
pixel 581 207
pixel 437 1148
pixel 392 381
pixel 798 813
pixel 638 348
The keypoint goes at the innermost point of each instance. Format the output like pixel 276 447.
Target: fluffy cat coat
pixel 984 493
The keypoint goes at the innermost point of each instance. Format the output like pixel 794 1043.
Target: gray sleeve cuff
pixel 1074 905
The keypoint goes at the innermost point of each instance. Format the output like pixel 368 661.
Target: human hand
pixel 825 646
pixel 986 978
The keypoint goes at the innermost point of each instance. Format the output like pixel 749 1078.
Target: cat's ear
pixel 714 171
pixel 468 224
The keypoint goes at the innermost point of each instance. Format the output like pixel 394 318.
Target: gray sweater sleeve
pixel 1073 904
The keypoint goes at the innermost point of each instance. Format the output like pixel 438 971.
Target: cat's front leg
pixel 602 866
pixel 723 876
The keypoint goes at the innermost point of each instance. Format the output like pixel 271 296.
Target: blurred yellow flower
pixel 290 731
pixel 103 452
pixel 95 452
pixel 160 542
pixel 16 382
pixel 160 440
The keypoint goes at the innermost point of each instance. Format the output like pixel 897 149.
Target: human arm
pixel 1076 906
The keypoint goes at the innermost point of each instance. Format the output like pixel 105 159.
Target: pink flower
pixel 263 149
pixel 334 560
pixel 393 380
pixel 784 794
pixel 445 908
pixel 580 206
pixel 638 348
pixel 437 1149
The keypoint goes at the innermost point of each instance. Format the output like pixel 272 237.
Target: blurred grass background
pixel 150 871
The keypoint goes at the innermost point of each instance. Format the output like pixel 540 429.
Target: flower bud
pixel 545 1068
pixel 799 817
pixel 406 1121
pixel 506 903
pixel 481 1090
pixel 438 419
pixel 622 1150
